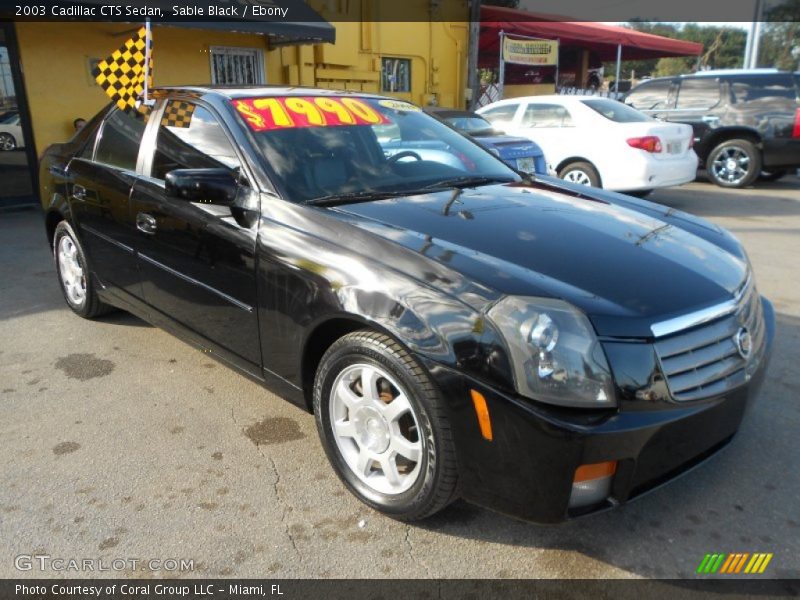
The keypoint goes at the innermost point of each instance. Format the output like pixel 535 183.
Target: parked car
pixel 11 132
pixel 535 347
pixel 746 122
pixel 599 141
pixel 519 153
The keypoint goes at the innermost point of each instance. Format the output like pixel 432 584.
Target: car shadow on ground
pixel 707 200
pixel 737 501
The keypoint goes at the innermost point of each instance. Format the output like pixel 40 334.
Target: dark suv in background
pixel 746 123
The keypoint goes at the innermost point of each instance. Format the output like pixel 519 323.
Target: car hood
pixel 624 267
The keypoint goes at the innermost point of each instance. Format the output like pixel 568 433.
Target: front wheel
pixel 734 164
pixel 582 173
pixel 383 425
pixel 7 142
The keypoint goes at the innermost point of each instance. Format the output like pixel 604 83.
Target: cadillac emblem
pixel 744 342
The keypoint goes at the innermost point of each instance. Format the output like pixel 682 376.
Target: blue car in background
pixel 518 153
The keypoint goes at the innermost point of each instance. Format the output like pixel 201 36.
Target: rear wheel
pixel 580 172
pixel 383 425
pixel 7 142
pixel 73 274
pixel 734 164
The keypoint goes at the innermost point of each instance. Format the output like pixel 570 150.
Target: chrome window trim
pixel 704 315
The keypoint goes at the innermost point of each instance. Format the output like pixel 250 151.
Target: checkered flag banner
pixel 122 74
pixel 177 114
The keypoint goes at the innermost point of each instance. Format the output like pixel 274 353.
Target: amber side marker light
pixel 592 483
pixel 482 412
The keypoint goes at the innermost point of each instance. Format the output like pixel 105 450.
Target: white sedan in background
pixel 600 142
pixel 10 132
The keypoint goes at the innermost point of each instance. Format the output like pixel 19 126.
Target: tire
pixel 422 487
pixel 772 175
pixel 734 164
pixel 74 275
pixel 7 142
pixel 580 172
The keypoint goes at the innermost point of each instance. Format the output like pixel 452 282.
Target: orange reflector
pixel 482 412
pixel 595 471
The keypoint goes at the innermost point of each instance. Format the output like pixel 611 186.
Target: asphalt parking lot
pixel 120 441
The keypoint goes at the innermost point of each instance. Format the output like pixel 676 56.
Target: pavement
pixel 122 442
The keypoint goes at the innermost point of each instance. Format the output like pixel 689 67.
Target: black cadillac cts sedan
pixel 457 329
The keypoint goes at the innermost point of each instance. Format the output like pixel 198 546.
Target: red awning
pixel 596 37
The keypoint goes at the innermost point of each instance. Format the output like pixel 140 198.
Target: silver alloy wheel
pixel 376 429
pixel 7 142
pixel 731 165
pixel 71 271
pixel 578 176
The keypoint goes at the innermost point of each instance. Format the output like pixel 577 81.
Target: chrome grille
pixel 704 360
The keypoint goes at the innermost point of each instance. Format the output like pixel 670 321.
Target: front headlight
pixel 555 353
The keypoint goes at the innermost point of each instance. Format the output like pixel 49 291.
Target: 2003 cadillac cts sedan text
pixel 535 347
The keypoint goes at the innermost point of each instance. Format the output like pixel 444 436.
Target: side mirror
pixel 212 186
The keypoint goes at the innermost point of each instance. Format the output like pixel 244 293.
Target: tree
pixel 723 48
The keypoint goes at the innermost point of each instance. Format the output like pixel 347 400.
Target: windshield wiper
pixel 362 196
pixel 465 181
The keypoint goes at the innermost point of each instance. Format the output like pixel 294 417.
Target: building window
pixel 396 75
pixel 237 66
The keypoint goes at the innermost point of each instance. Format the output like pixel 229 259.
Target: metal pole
pixel 619 66
pixel 474 41
pixel 501 74
pixel 748 47
pixel 147 41
pixel 558 58
pixel 756 43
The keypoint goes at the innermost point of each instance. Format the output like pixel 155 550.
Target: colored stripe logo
pixel 735 563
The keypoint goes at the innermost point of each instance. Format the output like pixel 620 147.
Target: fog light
pixel 592 483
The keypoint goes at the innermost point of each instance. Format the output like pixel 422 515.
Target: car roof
pixel 265 91
pixel 560 98
pixel 719 73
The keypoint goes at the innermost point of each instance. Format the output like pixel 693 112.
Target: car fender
pixel 333 271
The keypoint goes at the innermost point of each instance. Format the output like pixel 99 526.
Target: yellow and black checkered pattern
pixel 177 114
pixel 121 75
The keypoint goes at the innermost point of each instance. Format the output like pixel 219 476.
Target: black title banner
pixel 342 589
pixel 301 11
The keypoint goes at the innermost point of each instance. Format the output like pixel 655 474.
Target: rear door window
pixel 120 138
pixel 546 115
pixel 698 93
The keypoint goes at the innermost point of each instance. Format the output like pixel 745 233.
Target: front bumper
pixel 527 470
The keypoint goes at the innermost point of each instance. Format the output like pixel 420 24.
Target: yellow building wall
pixel 56 57
pixel 436 48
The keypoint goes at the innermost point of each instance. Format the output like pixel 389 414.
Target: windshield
pixel 328 146
pixel 616 111
pixel 469 124
pixel 8 117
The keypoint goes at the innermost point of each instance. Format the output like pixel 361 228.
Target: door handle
pixel 709 119
pixel 146 223
pixel 79 192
